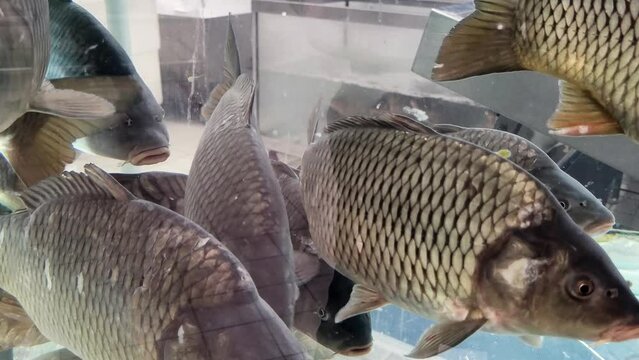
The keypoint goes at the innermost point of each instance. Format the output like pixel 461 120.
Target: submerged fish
pixel 125 278
pixel 323 291
pixel 583 207
pixel 90 58
pixel 232 191
pixel 24 55
pixel 591 45
pixel 454 232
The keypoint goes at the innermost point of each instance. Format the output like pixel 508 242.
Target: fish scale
pixel 441 270
pixel 610 53
pixel 121 294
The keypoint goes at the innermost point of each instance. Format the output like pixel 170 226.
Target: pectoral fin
pixel 307 267
pixel 444 336
pixel 362 300
pixel 533 340
pixel 40 145
pixel 579 114
pixel 70 104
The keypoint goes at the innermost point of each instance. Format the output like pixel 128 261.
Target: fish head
pixel 140 136
pixel 581 205
pixel 555 280
pixel 320 300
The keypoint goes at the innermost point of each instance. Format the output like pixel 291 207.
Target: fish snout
pixel 149 156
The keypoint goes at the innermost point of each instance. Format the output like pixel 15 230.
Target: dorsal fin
pixel 108 183
pixel 69 184
pixel 231 73
pixel 388 121
pixel 447 128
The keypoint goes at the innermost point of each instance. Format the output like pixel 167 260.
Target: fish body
pixel 24 53
pixel 327 291
pixel 455 232
pixel 85 51
pixel 583 207
pixel 127 279
pixel 26 96
pixel 233 193
pixel 590 45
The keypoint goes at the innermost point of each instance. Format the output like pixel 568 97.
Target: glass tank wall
pixel 314 63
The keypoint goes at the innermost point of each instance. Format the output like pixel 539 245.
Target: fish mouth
pixel 149 156
pixel 595 229
pixel 357 351
pixel 620 333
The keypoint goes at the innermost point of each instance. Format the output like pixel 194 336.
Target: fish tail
pixel 482 43
pixel 231 73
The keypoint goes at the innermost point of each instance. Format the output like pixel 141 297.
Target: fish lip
pixel 149 156
pixel 620 332
pixel 357 351
pixel 595 229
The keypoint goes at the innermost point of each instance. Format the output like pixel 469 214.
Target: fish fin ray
pixel 108 183
pixel 313 122
pixel 71 104
pixel 388 121
pixel 533 340
pixel 362 300
pixel 579 114
pixel 482 43
pixel 307 267
pixel 282 167
pixel 41 145
pixel 444 336
pixel 231 73
pixel 69 184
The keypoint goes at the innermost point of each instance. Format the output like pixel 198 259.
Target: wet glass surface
pixel 325 60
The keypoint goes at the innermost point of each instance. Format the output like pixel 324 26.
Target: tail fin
pixel 482 43
pixel 231 73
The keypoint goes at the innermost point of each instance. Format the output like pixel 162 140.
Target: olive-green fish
pixel 112 277
pixel 583 207
pixel 590 45
pixel 233 193
pixel 455 232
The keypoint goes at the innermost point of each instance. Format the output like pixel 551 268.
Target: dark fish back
pixel 232 192
pixel 81 46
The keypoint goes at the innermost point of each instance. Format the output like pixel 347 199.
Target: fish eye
pixel 564 204
pixel 583 204
pixel 323 315
pixel 582 288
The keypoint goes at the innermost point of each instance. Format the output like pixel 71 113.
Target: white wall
pixel 212 8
